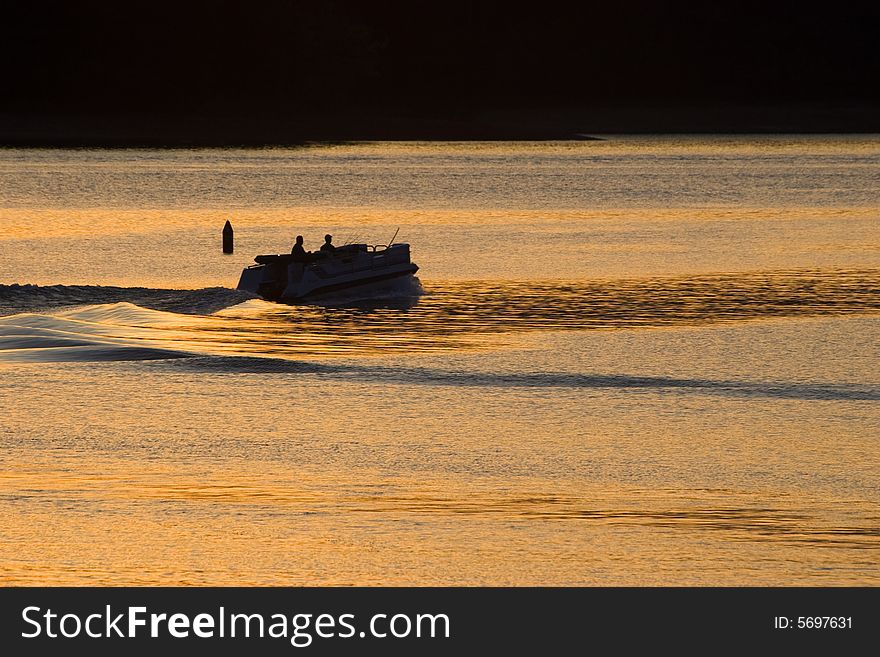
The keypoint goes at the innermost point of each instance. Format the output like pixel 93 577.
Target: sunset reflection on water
pixel 639 361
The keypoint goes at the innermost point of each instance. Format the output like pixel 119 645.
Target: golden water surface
pixel 635 361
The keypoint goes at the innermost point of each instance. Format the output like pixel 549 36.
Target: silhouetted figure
pixel 298 251
pixel 327 246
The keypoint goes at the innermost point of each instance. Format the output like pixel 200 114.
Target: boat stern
pixel 251 279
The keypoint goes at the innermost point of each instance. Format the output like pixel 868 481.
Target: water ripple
pixel 449 316
pixel 433 376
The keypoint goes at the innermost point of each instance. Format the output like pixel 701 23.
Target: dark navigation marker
pixel 227 237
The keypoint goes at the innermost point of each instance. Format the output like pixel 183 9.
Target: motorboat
pixel 352 266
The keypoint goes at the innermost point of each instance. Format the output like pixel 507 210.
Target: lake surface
pixel 638 361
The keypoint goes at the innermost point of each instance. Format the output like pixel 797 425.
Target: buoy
pixel 227 237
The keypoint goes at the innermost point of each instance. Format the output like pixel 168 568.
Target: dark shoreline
pixel 164 131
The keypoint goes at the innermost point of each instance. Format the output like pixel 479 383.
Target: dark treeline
pixel 431 59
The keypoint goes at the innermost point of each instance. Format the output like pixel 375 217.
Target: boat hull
pixel 354 267
pixel 355 283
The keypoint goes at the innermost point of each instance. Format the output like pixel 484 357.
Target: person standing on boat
pixel 298 251
pixel 327 246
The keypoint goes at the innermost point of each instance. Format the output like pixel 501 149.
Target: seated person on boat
pixel 327 246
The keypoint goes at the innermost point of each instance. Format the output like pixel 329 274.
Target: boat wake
pixel 209 345
pixel 38 298
pixel 69 323
pixel 110 332
pixel 91 323
pixel 537 380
